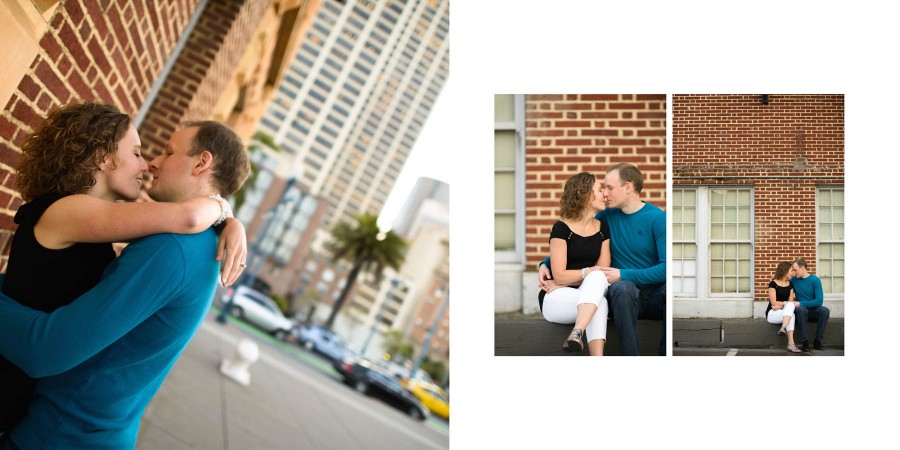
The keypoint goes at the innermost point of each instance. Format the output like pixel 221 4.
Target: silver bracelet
pixel 585 271
pixel 226 209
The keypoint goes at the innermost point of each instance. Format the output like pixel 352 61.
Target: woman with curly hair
pixel 80 173
pixel 579 243
pixel 780 309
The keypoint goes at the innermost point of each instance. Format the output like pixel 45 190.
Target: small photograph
pixel 757 259
pixel 580 224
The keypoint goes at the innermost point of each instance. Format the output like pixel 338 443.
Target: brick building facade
pixel 542 140
pixel 161 62
pixel 757 180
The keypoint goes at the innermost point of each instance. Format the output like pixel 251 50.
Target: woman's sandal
pixel 573 342
pixel 793 349
pixel 781 331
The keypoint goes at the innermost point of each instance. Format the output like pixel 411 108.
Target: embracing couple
pixel 795 297
pixel 87 337
pixel 608 244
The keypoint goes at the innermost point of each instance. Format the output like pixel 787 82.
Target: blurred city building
pixel 346 116
pixel 409 299
pixel 178 60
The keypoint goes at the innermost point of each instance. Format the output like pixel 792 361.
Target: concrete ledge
pixel 747 333
pixel 537 337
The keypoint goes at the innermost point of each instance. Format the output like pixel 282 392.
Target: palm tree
pixel 365 247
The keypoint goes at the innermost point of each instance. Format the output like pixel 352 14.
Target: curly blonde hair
pixel 64 153
pixel 576 194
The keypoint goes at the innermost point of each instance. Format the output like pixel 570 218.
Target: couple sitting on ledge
pixel 795 297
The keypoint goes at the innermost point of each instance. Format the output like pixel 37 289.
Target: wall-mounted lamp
pixel 765 99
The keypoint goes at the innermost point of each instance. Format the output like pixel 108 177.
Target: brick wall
pixel 571 133
pixel 784 150
pixel 106 51
pixel 203 69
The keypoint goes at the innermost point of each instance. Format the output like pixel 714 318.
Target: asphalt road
pixel 294 401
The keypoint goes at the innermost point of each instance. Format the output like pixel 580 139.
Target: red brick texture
pixel 571 133
pixel 203 69
pixel 100 51
pixel 113 51
pixel 784 150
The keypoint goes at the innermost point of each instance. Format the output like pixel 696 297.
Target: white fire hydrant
pixel 245 354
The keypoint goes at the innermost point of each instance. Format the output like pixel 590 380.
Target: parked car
pixel 256 308
pixel 432 397
pixel 373 382
pixel 319 339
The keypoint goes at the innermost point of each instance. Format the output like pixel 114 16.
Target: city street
pixel 294 401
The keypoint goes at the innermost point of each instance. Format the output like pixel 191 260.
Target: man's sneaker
pixel 805 347
pixel 818 345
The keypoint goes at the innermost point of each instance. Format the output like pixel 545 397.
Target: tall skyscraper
pixel 356 97
pixel 425 189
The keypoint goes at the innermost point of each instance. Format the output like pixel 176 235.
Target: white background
pixel 670 47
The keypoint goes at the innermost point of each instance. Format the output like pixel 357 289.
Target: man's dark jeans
pixel 818 314
pixel 630 302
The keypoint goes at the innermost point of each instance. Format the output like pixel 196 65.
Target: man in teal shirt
pixel 101 359
pixel 808 303
pixel 637 279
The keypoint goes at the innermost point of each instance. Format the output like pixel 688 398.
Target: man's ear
pixel 202 163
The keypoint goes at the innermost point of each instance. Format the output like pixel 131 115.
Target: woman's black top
pixel 42 279
pixel 782 294
pixel 581 251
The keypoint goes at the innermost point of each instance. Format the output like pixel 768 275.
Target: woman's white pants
pixel 561 305
pixel 777 316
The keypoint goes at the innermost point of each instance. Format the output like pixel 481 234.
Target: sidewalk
pixel 289 404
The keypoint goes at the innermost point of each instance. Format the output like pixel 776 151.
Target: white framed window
pixel 684 242
pixel 509 178
pixel 830 239
pixel 712 239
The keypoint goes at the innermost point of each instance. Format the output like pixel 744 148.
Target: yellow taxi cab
pixel 432 397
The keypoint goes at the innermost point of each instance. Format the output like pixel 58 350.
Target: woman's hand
pixel 550 286
pixel 232 251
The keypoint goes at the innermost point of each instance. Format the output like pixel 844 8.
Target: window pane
pixel 504 231
pixel 730 215
pixel 730 231
pixel 716 232
pixel 504 149
pixel 744 231
pixel 690 232
pixel 824 232
pixel 504 107
pixel 690 215
pixel 690 268
pixel 825 214
pixel 504 191
pixel 838 232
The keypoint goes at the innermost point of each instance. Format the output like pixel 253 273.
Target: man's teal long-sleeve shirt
pixel 101 359
pixel 808 291
pixel 637 243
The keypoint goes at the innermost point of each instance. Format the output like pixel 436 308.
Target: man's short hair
pixel 629 173
pixel 800 262
pixel 231 164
